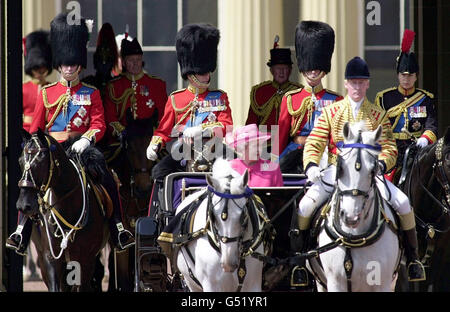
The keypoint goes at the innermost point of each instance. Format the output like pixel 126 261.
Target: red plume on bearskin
pixel 408 38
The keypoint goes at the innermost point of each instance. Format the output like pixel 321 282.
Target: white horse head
pixel 356 171
pixel 367 250
pixel 220 259
pixel 228 211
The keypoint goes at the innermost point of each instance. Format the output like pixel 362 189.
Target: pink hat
pixel 245 134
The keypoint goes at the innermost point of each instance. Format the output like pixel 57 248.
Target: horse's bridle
pixel 442 178
pixel 224 215
pixel 27 179
pixel 359 146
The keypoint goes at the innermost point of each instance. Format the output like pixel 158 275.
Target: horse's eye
pixel 447 157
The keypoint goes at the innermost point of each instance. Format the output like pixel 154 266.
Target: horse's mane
pixel 91 159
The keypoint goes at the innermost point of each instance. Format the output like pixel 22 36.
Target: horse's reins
pixel 42 192
pixel 445 184
pixel 431 228
pixel 215 236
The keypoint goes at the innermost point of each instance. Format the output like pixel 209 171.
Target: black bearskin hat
pixel 69 40
pixel 196 46
pixel 314 46
pixel 357 69
pixel 130 47
pixel 406 61
pixel 38 52
pixel 106 51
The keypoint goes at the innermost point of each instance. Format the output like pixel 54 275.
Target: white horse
pixel 358 221
pixel 220 259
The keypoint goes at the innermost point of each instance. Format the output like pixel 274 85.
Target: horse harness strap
pixel 439 163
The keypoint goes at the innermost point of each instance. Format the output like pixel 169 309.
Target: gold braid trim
pixel 430 134
pixel 402 108
pixel 156 140
pixel 90 135
pixel 264 110
pixel 61 102
pixel 188 109
pixel 298 115
pixel 117 127
pixel 123 99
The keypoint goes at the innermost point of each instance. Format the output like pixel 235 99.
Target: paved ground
pixel 39 286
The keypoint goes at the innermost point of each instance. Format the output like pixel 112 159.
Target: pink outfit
pixel 262 173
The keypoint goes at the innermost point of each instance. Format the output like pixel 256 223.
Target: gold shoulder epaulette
pixel 49 85
pixel 217 90
pixel 429 94
pixel 382 92
pixel 293 91
pixel 152 76
pixel 298 85
pixel 113 80
pixel 177 91
pixel 332 92
pixel 259 85
pixel 88 85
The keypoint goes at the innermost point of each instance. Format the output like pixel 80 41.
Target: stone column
pixel 346 18
pixel 37 14
pixel 247 31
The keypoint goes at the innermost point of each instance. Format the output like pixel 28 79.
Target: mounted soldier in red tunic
pixel 265 98
pixel 142 95
pixel 314 46
pixel 72 112
pixel 195 111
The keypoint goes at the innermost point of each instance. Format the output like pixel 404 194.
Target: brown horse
pixel 72 228
pixel 428 188
pixel 134 172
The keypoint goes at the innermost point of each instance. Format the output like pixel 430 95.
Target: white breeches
pixel 319 192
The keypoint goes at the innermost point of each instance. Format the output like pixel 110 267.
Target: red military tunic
pixel 30 92
pixel 299 110
pixel 180 107
pixel 65 116
pixel 146 95
pixel 265 100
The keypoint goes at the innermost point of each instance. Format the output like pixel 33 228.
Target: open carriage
pixel 152 271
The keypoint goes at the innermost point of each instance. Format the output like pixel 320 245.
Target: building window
pixel 155 24
pixel 382 42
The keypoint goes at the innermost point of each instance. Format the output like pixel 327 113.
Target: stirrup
pixel 298 271
pixel 130 240
pixel 421 268
pixel 19 248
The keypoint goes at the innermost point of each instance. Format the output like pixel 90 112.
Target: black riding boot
pixel 416 271
pixel 20 239
pixel 299 274
pixel 121 237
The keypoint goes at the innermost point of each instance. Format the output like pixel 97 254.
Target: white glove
pixel 152 151
pixel 80 145
pixel 422 142
pixel 314 174
pixel 193 132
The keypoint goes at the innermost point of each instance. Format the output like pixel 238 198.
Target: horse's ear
pixel 346 130
pixel 210 180
pixel 41 136
pixel 378 133
pixel 245 178
pixel 447 136
pixel 25 135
